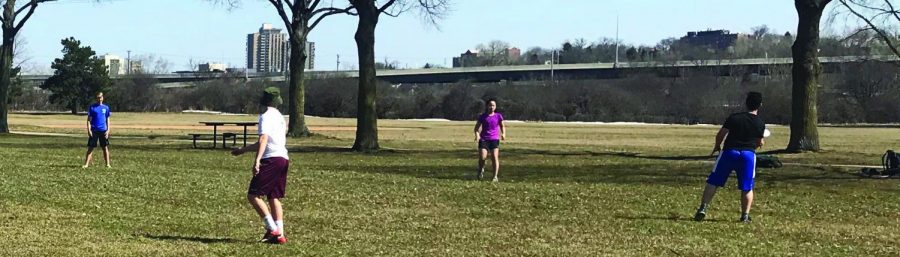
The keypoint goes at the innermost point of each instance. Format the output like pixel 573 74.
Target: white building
pixel 213 67
pixel 114 64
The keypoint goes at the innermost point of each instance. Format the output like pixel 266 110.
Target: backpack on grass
pixel 768 161
pixel 890 162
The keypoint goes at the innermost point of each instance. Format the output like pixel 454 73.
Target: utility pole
pixel 552 52
pixel 337 67
pixel 616 64
pixel 128 65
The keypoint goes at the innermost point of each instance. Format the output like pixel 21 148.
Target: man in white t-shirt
pixel 270 166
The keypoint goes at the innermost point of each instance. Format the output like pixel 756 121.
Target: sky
pixel 196 31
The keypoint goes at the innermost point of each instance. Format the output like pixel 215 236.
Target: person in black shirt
pixel 743 134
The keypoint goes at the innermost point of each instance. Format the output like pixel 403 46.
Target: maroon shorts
pixel 271 178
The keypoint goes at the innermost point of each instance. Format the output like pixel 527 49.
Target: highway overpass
pixel 723 67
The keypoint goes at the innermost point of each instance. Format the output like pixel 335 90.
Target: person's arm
pixel 502 130
pixel 260 148
pixel 477 129
pixel 762 139
pixel 108 127
pixel 242 150
pixel 719 138
pixel 88 125
pixel 263 139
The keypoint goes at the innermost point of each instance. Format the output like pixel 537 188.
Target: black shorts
pixel 488 144
pixel 96 136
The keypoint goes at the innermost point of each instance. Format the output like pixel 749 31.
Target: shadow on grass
pixel 81 144
pixel 670 217
pixel 49 113
pixel 204 240
pixel 319 149
pixel 529 165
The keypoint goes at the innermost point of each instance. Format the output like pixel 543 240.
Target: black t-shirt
pixel 744 131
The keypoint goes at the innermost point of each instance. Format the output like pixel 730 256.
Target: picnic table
pixel 215 134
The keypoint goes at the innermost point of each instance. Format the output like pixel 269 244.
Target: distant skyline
pixel 183 31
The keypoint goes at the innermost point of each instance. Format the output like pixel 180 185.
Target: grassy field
pixel 565 190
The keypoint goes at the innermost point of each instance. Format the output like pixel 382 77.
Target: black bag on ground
pixel 768 161
pixel 891 163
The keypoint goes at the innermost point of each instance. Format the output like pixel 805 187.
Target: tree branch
pixel 330 11
pixel 858 31
pixel 893 11
pixel 882 34
pixel 387 5
pixel 31 3
pixel 279 5
pixel 313 5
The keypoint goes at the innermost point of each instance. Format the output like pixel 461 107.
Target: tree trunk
pixel 6 58
pixel 366 116
pixel 73 107
pixel 297 98
pixel 805 71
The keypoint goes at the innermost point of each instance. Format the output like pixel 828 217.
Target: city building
pixel 268 50
pixel 714 39
pixel 114 64
pixel 513 54
pixel 467 59
pixel 213 67
pixel 136 66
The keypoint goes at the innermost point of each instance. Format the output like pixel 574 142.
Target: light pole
pixel 616 63
pixel 552 61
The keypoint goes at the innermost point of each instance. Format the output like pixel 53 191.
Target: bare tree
pixel 494 53
pixel 299 17
pixel 369 12
pixel 805 71
pixel 877 16
pixel 12 23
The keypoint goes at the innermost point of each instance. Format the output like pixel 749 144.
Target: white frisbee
pixel 767 133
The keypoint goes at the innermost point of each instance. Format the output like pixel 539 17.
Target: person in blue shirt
pixel 98 130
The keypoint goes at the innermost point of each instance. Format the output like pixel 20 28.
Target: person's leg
pixel 716 179
pixel 106 155
pixel 708 193
pixel 746 202
pixel 277 213
pixel 87 157
pixel 259 205
pixel 482 156
pixel 92 142
pixel 746 175
pixel 263 211
pixel 495 160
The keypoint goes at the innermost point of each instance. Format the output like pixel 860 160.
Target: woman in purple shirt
pixel 489 130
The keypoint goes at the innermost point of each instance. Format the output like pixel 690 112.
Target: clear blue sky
pixel 181 30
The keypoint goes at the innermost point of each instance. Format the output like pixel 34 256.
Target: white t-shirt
pixel 272 123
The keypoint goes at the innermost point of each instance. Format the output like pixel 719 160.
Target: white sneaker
pixel 495 180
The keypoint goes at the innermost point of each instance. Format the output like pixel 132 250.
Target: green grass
pixel 565 190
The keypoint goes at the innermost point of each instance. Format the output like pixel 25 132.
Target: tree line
pixel 861 92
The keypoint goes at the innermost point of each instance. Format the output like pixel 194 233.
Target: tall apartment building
pixel 268 51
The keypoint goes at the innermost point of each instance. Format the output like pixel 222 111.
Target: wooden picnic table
pixel 216 124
